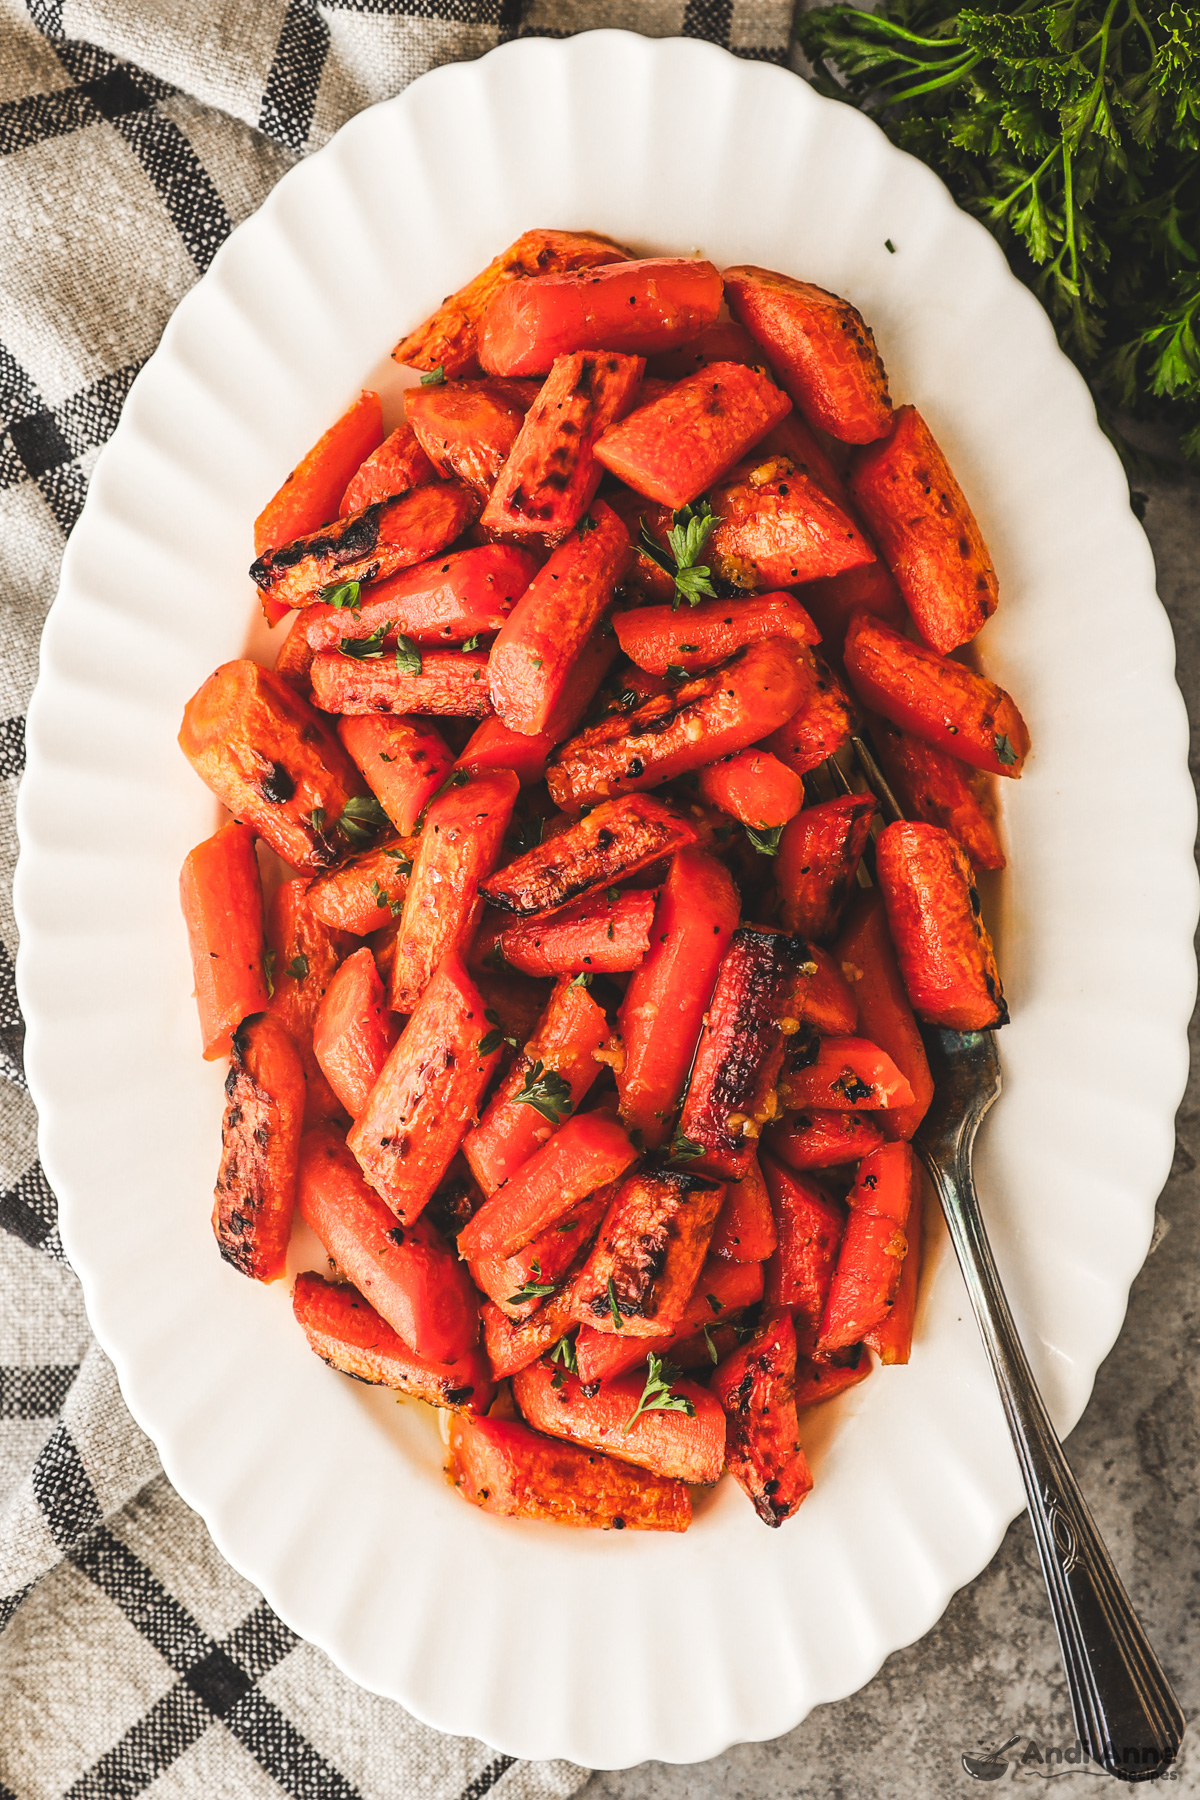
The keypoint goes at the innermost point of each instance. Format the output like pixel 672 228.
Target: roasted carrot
pixel 502 1466
pixel 822 722
pixel 305 954
pixel 745 1229
pixel 385 536
pixel 353 1033
pixel 459 844
pixel 517 1001
pixel 826 1002
pixel 757 1387
pixel 820 346
pixel 446 340
pixel 221 894
pixel 810 1229
pixel 309 497
pixel 891 1339
pixel 584 1154
pixel 494 746
pixel 724 342
pixel 451 682
pixel 675 447
pixel 404 762
pixel 396 466
pixel 293 660
pixel 833 601
pixel 408 1273
pixel 926 532
pixel 685 1446
pixel 872 1250
pixel 551 474
pixel 611 843
pixel 865 955
pixel 794 438
pixel 659 638
pixel 518 1284
pixel 722 1291
pixel 273 761
pixel 844 1075
pixel 818 858
pixel 468 428
pixel 819 1139
pixel 644 576
pixel 450 600
pixel 646 1261
pixel 939 790
pixel 638 308
pixel 427 1093
pixel 935 698
pixel 707 716
pixel 817 1382
pixel 348 1334
pixel 364 894
pixel 943 948
pixel 606 934
pixel 260 1149
pixel 777 527
pixel 514 1344
pixel 755 787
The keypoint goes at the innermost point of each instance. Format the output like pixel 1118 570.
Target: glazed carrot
pixel 755 787
pixel 845 1074
pixel 794 438
pixel 514 1344
pixel 939 790
pixel 871 588
pixel 611 843
pixel 543 1263
pixel 943 948
pixel 872 1250
pixel 408 1273
pixel 305 954
pixel 731 1094
pixel 512 1129
pixel 675 447
pixel 606 934
pixel 446 340
pixel 646 1261
pixel 675 1444
pixel 644 576
pixel 659 638
pixel 364 894
pixel 817 1382
pixel 864 953
pixel 810 1230
pixel 220 891
pixel 757 1387
pixel 404 762
pixel 822 722
pixel 260 1148
pixel 531 660
pixel 310 495
pixel 354 1032
pixel 745 1230
pixel 818 858
pixel 494 746
pixel 348 1334
pixel 708 716
pixel 385 536
pixel 583 1155
pixel 724 342
pixel 293 660
pixel 821 347
pixel 891 1339
pixel 273 761
pixel 449 600
pixel 668 993
pixel 468 428
pixel 451 682
pixel 502 1466
pixel 941 701
pixel 722 1290
pixel 427 1093
pixel 396 466
pixel 819 1139
pixel 638 308
pixel 826 1002
pixel 927 533
pixel 551 473
pixel 777 527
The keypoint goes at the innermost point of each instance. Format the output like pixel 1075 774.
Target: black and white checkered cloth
pixel 134 134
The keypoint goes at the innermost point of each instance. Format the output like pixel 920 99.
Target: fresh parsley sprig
pixel 366 649
pixel 691 528
pixel 765 838
pixel 657 1395
pixel 363 819
pixel 534 1289
pixel 548 1092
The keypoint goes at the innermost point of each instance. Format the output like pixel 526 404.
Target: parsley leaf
pixel 690 530
pixel 548 1092
pixel 583 980
pixel 586 524
pixel 342 594
pixel 712 1348
pixel 472 643
pixel 766 840
pixel 491 1040
pixel 612 895
pixel 532 1290
pixel 657 1395
pixel 298 967
pixel 614 1306
pixel 383 898
pixel 408 657
pixel 316 818
pixel 365 649
pixel 403 863
pixel 362 819
pixel 435 377
pixel 685 1149
pixel 564 1353
pixel 269 971
pixel 676 672
pixel 1004 750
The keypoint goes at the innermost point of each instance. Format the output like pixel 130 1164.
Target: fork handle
pixel 1126 1715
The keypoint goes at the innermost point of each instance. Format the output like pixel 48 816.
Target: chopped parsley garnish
pixel 564 1353
pixel 472 643
pixel 536 661
pixel 435 377
pixel 715 1304
pixel 586 524
pixel 690 529
pixel 583 980
pixel 614 1306
pixel 676 672
pixel 684 1149
pixel 712 1348
pixel 298 967
pixel 532 1290
pixel 342 594
pixel 316 818
pixel 362 819
pixel 1004 750
pixel 366 649
pixel 765 839
pixel 687 649
pixel 657 1395
pixel 548 1092
pixel 612 895
pixel 889 246
pixel 403 863
pixel 491 1040
pixel 383 898
pixel 408 657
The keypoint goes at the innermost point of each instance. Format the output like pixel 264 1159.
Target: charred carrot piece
pixel 731 1094
pixel 448 600
pixel 939 790
pixel 873 1247
pixel 943 949
pixel 755 787
pixel 354 1033
pixel 293 660
pixel 408 1273
pixel 819 1139
pixel 583 1155
pixel 396 466
pixel 723 1290
pixel 518 1284
pixel 637 308
pixel 821 347
pixel 757 1387
pixel 273 761
pixel 513 1344
pixel 427 1095
pixel 745 1230
pixel 385 536
pixel 646 1261
pixel 817 1382
pixel 891 1339
pixel 777 527
pixel 309 497
pixel 260 1149
pixel 724 342
pixel 822 722
pixel 446 340
pixel 606 934
pixel 659 638
pixel 403 761
pixel 864 953
pixel 682 1446
pixel 842 1074
pixel 502 1466
pixel 938 700
pixel 826 1002
pixel 220 891
pixel 348 1334
pixel 468 428
pixel 810 1229
pixel 611 843
pixel 305 954
pixel 707 716
pixel 927 533
pixel 460 843
pixel 531 660
pixel 554 1073
pixel 674 448
pixel 451 682
pixel 364 894
pixel 665 1002
pixel 818 858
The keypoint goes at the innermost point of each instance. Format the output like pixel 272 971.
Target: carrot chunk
pixel 745 1230
pixel 675 448
pixel 353 1033
pixel 873 1247
pixel 502 1466
pixel 755 787
pixel 818 858
pixel 606 934
pixel 819 1139
pixel 682 1446
pixel 468 428
pixel 757 1387
pixel 451 682
pixel 396 466
pixel 348 1334
pixel 634 307
pixel 611 843
pixel 293 659
pixel 891 1339
pixel 833 601
pixel 777 527
pixel 385 536
pixel 646 1261
pixel 822 722
pixel 943 948
pixel 448 600
pixel 583 1155
pixel 494 745
pixel 939 790
pixel 518 1284
pixel 364 894
pixel 824 1000
pixel 722 1291
pixel 724 342
pixel 260 1149
pixel 659 638
pixel 810 1229
pixel 817 1382
pixel 403 761
pixel 513 1344
pixel 843 1075
pixel 864 953
pixel 309 497
pixel 220 891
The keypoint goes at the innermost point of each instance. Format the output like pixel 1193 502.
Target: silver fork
pixel 1126 1716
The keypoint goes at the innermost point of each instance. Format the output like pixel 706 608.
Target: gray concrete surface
pixel 990 1667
